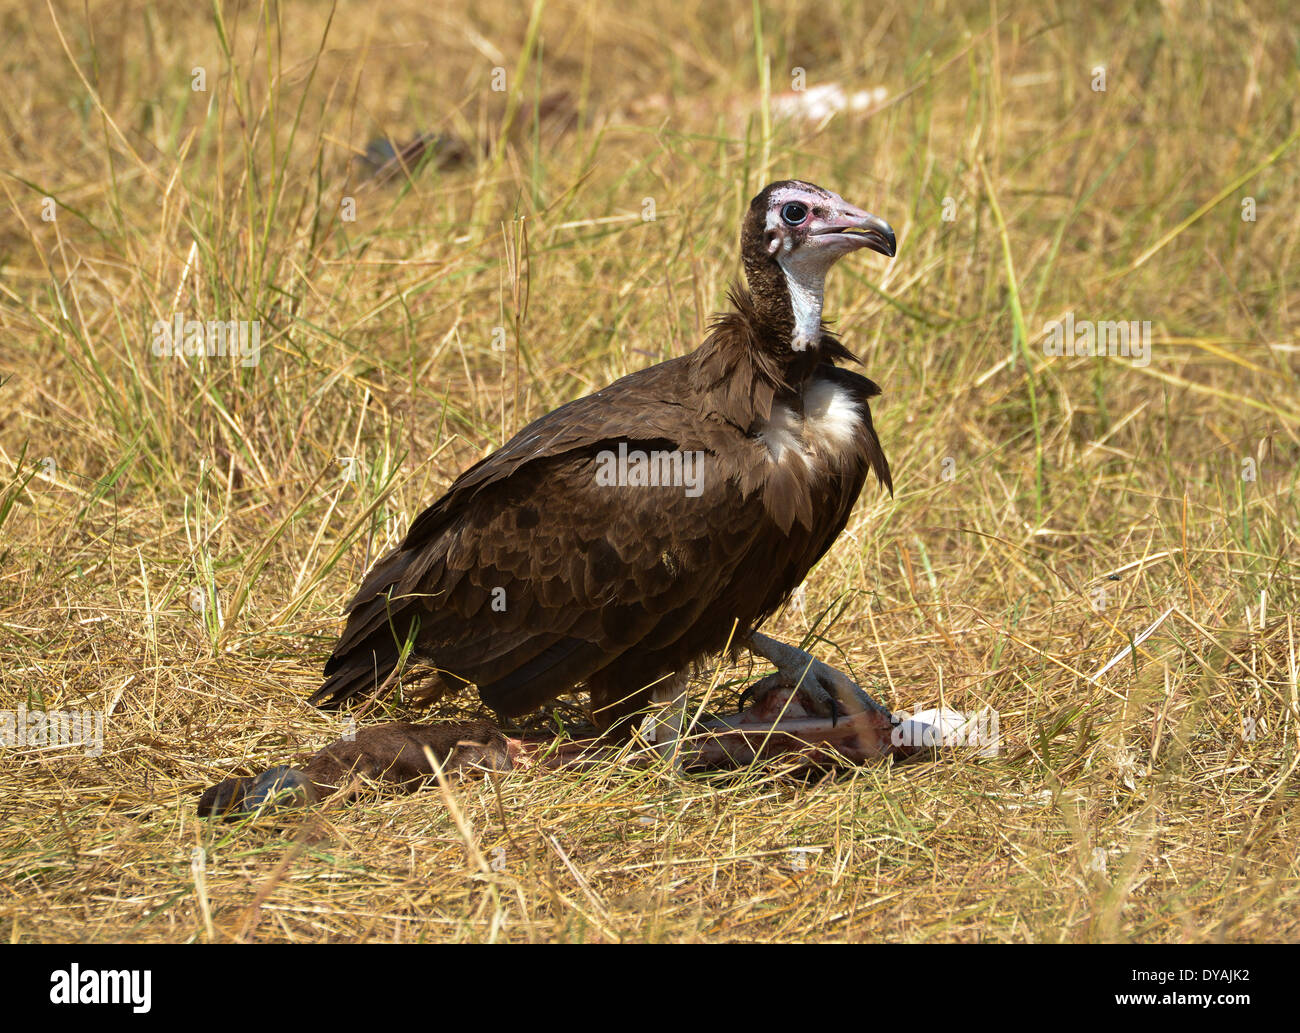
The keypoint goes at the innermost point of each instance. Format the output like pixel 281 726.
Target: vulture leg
pixel 666 723
pixel 830 690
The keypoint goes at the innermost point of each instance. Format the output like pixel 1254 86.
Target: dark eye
pixel 794 213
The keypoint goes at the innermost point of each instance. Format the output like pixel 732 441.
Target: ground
pixel 178 535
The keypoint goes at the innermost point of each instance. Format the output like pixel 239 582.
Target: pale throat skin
pixel 805 279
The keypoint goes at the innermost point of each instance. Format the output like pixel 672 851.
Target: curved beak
pixel 865 229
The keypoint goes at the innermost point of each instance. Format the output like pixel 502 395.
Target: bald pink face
pixel 806 230
pixel 821 224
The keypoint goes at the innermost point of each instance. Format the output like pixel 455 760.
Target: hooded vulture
pixel 620 539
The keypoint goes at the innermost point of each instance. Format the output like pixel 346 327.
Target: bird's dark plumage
pixel 534 574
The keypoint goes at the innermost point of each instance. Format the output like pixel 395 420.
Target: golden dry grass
pixel 1154 804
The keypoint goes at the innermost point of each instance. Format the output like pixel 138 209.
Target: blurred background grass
pixel 178 536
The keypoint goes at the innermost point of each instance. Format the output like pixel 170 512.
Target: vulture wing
pixel 533 573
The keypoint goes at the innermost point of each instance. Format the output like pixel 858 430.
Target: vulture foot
pixel 792 719
pixel 832 693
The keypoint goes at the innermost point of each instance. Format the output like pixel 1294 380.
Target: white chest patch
pixel 828 428
pixel 783 433
pixel 832 419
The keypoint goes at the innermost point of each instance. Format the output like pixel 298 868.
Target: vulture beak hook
pixel 867 230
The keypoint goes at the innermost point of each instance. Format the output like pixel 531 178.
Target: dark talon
pixel 742 704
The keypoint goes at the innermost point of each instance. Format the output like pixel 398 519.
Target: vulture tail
pixel 360 672
pixel 362 667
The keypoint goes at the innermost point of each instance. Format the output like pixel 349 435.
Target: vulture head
pixel 793 233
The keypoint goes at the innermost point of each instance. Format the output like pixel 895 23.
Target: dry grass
pixel 1132 808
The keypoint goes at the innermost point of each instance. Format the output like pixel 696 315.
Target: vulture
pixel 626 536
pixel 621 538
